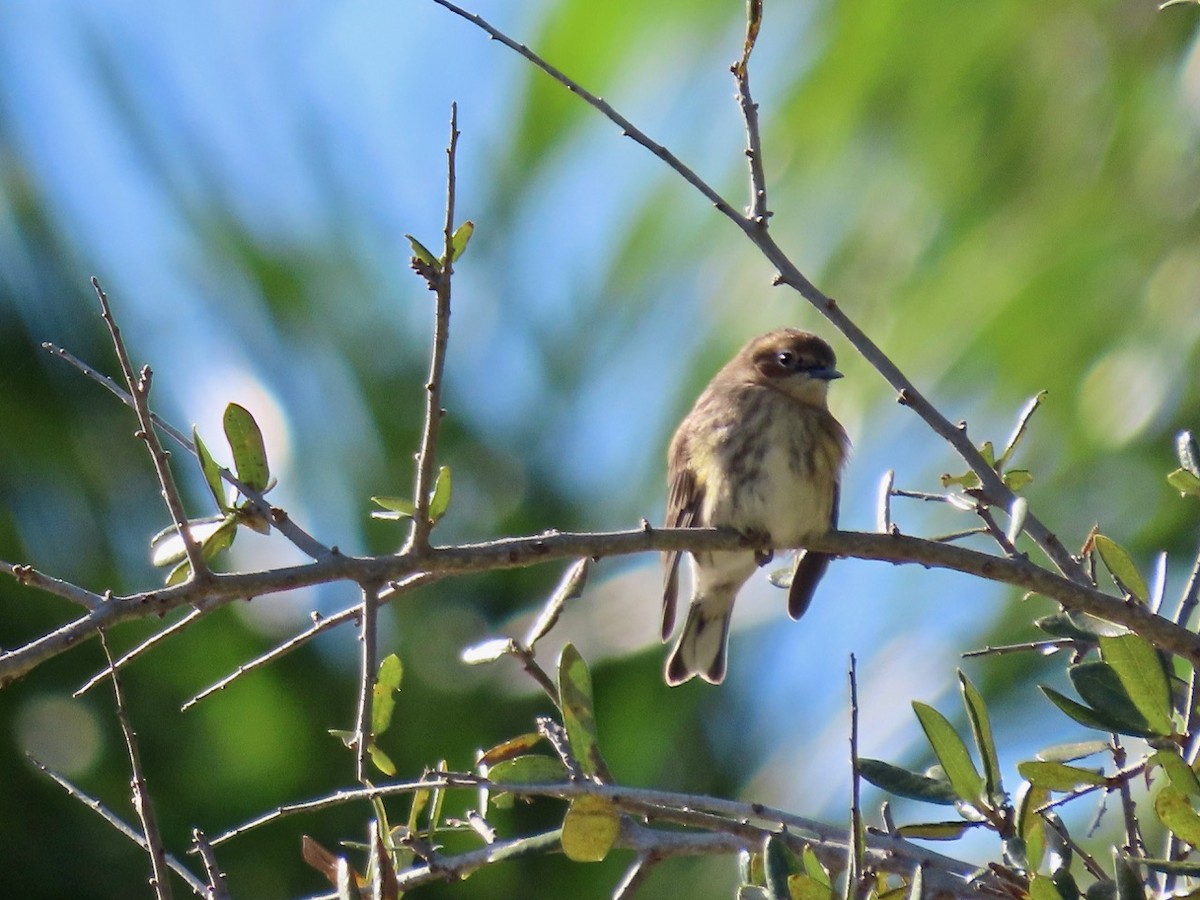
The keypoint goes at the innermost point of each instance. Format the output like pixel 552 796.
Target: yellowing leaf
pixel 590 829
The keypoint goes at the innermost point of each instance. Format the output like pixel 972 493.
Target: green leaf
pixel 813 868
pixel 439 498
pixel 249 451
pixel 805 887
pixel 167 548
pixel 1084 715
pixel 421 252
pixel 981 729
pixel 904 783
pixel 1185 482
pixel 967 481
pixel 1078 626
pixel 420 801
pixel 212 472
pixel 394 508
pixel 1177 815
pixel 1031 827
pixel 951 752
pixel 988 452
pixel 387 682
pixel 1016 479
pixel 219 540
pixel 1120 565
pixel 1140 671
pixel 936 831
pixel 381 760
pixel 775 867
pixel 1129 879
pixel 1056 776
pixel 1014 439
pixel 532 768
pixel 590 828
pixel 575 700
pixel 458 241
pixel 1181 776
pixel 179 574
pixel 1073 751
pixel 1100 687
pixel 570 588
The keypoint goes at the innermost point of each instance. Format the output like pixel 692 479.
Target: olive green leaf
pixel 1121 566
pixel 393 508
pixel 212 472
pixel 421 252
pixel 1176 813
pixel 936 831
pixel 951 752
pixel 981 729
pixel 458 241
pixel 775 868
pixel 383 703
pixel 1140 671
pixel 439 500
pixel 904 783
pixel 579 718
pixel 569 588
pixel 1100 687
pixel 532 768
pixel 1185 482
pixel 249 451
pixel 590 828
pixel 1056 776
pixel 1180 774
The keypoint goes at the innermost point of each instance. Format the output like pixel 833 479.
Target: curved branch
pixel 755 228
pixel 508 553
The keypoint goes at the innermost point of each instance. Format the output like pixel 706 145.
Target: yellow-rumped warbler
pixel 759 452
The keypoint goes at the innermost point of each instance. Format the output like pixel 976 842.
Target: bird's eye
pixel 786 358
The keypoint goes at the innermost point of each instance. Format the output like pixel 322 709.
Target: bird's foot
pixel 763 551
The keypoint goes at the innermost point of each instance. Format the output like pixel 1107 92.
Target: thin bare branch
pixel 139 390
pixel 320 625
pixel 364 733
pixel 130 655
pixel 885 853
pixel 142 802
pixel 855 851
pixel 757 210
pixel 31 577
pixel 994 488
pixel 217 889
pixel 534 549
pixel 1029 646
pixel 199 888
pixel 427 454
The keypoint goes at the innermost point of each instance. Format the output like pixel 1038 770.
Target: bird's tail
pixel 702 647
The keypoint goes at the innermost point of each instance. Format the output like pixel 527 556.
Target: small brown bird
pixel 761 453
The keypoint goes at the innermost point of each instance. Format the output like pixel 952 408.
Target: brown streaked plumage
pixel 761 453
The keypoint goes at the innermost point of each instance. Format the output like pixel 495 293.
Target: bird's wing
pixel 684 501
pixel 809 569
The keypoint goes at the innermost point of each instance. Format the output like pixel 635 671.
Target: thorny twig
pixel 142 803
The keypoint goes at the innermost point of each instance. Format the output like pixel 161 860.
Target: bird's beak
pixel 828 373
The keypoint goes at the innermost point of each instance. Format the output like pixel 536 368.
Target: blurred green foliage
pixel 1003 195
